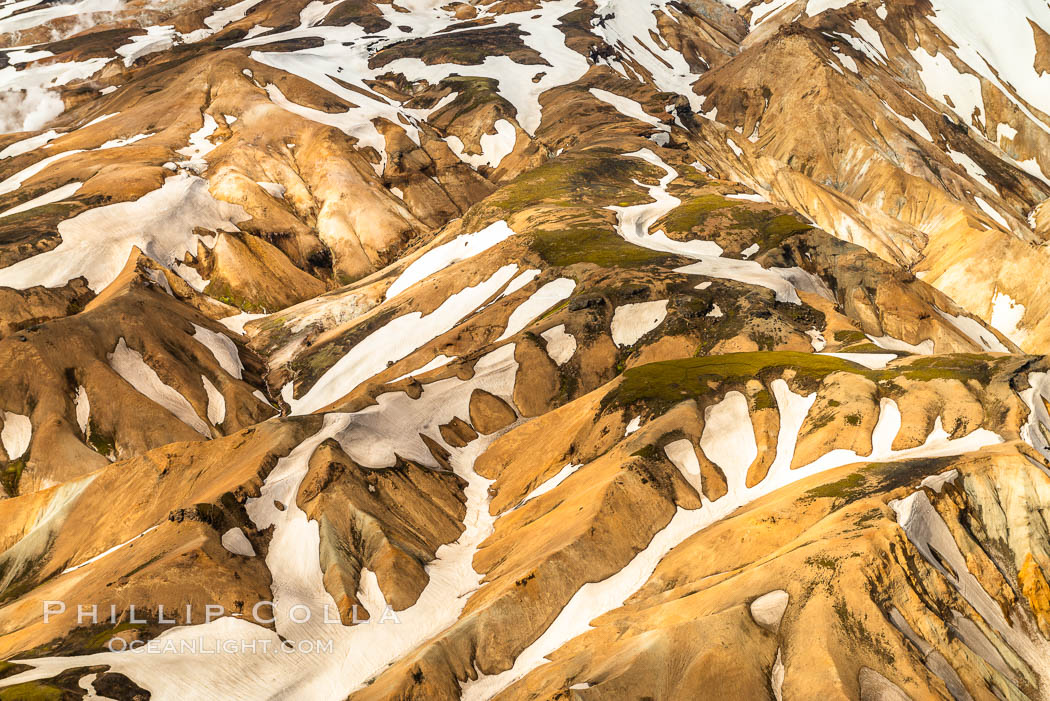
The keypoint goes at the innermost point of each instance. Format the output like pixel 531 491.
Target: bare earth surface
pixel 524 349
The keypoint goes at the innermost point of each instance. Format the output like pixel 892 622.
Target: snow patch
pixel 540 301
pixel 1007 316
pixel 236 322
pixel 872 361
pixel 972 329
pixel 274 190
pixel 561 346
pixel 16 434
pixel 112 550
pixel 130 365
pixel 56 195
pixel 392 342
pixel 222 348
pixel 768 609
pixel 237 543
pixel 728 439
pixel 96 243
pixel 440 257
pixel 29 144
pixel 629 108
pixel 632 321
pixel 83 409
pixel 551 483
pixel 683 455
pixel 494 147
pixel 895 344
pixel 156 38
pixel 216 402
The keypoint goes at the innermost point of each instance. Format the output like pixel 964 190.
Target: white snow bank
pixel 551 483
pixel 275 190
pixel 29 144
pixel 130 365
pixel 632 321
pixel 538 302
pixel 216 402
pixel 1007 316
pixel 728 439
pixel 112 550
pixel 628 107
pixel 236 322
pixel 200 145
pixel 224 350
pixel 237 543
pixel 494 147
pixel 56 195
pixel 394 341
pixel 972 329
pixel 83 409
pixel 768 609
pixel 682 454
pixel 16 434
pixel 872 361
pixel 157 38
pixel 784 282
pixel 895 344
pixel 96 243
pixel 937 482
pixel 440 257
pixel 747 197
pixel 560 345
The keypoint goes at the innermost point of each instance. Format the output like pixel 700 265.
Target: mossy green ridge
pixel 666 383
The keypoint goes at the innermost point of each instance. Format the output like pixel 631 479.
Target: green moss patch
pixel 225 294
pixel 850 336
pixel 35 691
pixel 672 381
pixel 9 669
pixel 11 475
pixel 878 478
pixel 957 366
pixel 600 246
pixel 63 687
pixel 664 384
pixel 101 442
pixel 588 177
pixel 735 220
pixel 693 211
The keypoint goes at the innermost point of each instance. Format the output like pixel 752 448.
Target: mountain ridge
pixel 530 349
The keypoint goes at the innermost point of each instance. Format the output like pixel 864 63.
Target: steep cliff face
pixel 526 349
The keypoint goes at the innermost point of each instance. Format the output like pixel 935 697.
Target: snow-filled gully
pixel 732 449
pixel 358 652
pixel 633 224
pixel 372 437
pixel 928 532
pixel 346 52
